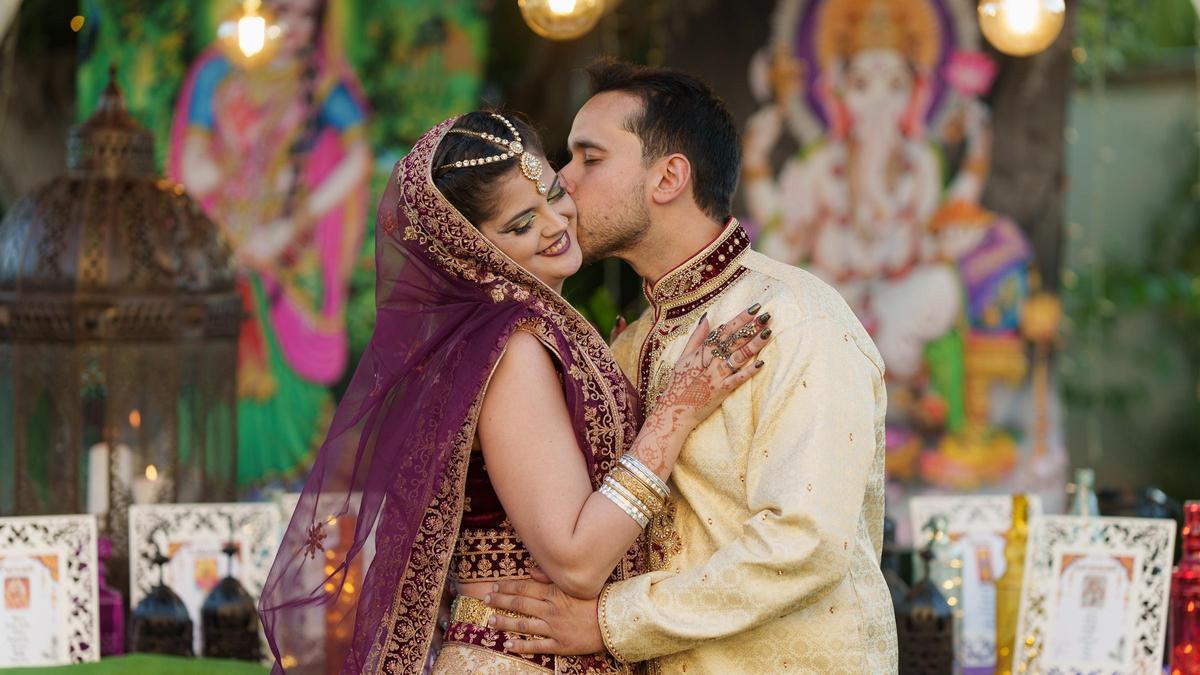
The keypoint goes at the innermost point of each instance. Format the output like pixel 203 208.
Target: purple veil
pixel 390 475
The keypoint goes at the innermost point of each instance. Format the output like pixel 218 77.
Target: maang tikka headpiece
pixel 531 166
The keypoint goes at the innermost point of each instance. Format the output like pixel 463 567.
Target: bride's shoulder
pixel 526 355
pixel 526 375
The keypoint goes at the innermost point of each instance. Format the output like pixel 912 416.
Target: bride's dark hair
pixel 472 189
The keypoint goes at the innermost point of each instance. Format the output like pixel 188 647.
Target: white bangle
pixel 642 471
pixel 624 504
pixel 639 505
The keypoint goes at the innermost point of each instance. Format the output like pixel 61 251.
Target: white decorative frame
pixel 257 534
pixel 968 514
pixel 1151 540
pixel 75 538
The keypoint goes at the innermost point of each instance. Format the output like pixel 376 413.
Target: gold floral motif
pixel 663 541
pixel 686 282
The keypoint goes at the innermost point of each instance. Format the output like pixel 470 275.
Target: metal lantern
pixel 229 618
pixel 925 626
pixel 161 624
pixel 118 335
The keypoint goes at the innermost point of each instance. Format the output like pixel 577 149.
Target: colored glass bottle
pixel 1184 622
pixel 1008 586
pixel 112 607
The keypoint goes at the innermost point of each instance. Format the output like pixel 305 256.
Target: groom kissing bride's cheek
pixel 704 495
pixel 765 557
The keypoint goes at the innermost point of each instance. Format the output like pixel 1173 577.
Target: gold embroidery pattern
pixel 487 554
pixel 707 268
pixel 601 608
pixel 678 298
pixel 448 240
pixel 403 638
pixel 663 540
pixel 457 658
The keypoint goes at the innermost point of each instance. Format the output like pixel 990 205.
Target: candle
pixel 98 484
pixel 145 489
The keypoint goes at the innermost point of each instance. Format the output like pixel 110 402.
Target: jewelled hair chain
pixel 531 166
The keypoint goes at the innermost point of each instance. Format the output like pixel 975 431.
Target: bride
pixel 485 428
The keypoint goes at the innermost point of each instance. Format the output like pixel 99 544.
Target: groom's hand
pixel 568 625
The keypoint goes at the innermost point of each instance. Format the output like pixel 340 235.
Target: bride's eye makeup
pixel 556 191
pixel 521 224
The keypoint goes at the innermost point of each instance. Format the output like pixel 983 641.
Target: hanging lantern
pixel 1021 27
pixel 119 319
pixel 249 35
pixel 229 618
pixel 561 19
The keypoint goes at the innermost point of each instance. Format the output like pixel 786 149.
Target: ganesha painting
pixel 881 199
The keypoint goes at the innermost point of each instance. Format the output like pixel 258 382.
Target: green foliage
pixel 1119 35
pixel 149 42
pixel 1164 290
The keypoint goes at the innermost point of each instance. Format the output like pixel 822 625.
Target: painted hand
pixel 713 365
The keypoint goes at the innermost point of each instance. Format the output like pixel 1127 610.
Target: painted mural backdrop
pixel 882 200
pixel 289 158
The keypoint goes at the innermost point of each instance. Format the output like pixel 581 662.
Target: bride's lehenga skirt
pixel 471 646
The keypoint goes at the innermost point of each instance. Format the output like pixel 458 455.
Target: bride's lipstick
pixel 559 247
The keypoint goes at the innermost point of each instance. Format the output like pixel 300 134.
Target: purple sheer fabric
pixel 395 458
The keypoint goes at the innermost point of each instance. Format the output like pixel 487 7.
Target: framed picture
pixel 50 613
pixel 975 525
pixel 1095 595
pixel 193 536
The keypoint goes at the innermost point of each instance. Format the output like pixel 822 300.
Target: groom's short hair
pixel 680 113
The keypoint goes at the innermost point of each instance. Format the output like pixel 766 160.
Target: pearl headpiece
pixel 531 166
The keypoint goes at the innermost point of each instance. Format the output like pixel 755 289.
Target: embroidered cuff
pixel 602 619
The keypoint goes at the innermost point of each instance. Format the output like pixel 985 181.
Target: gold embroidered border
pixel 602 616
pixel 481 661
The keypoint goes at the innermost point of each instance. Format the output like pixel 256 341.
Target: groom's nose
pixel 566 177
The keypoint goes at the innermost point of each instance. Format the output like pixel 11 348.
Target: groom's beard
pixel 609 234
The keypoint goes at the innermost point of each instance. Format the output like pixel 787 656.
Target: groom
pixel 766 559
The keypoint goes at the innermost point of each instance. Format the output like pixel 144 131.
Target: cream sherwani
pixel 767 558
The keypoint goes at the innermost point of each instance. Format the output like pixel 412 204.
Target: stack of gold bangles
pixel 635 489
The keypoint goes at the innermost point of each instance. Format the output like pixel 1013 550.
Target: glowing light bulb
pixel 251 34
pixel 151 472
pixel 1021 27
pixel 1022 16
pixel 561 19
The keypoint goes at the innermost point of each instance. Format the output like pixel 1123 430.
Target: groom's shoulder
pixel 800 292
pixel 802 300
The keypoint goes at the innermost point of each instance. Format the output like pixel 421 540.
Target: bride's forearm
pixel 662 435
pixel 603 531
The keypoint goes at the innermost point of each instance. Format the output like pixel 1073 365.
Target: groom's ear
pixel 672 176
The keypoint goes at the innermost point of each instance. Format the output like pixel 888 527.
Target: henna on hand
pixel 699 383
